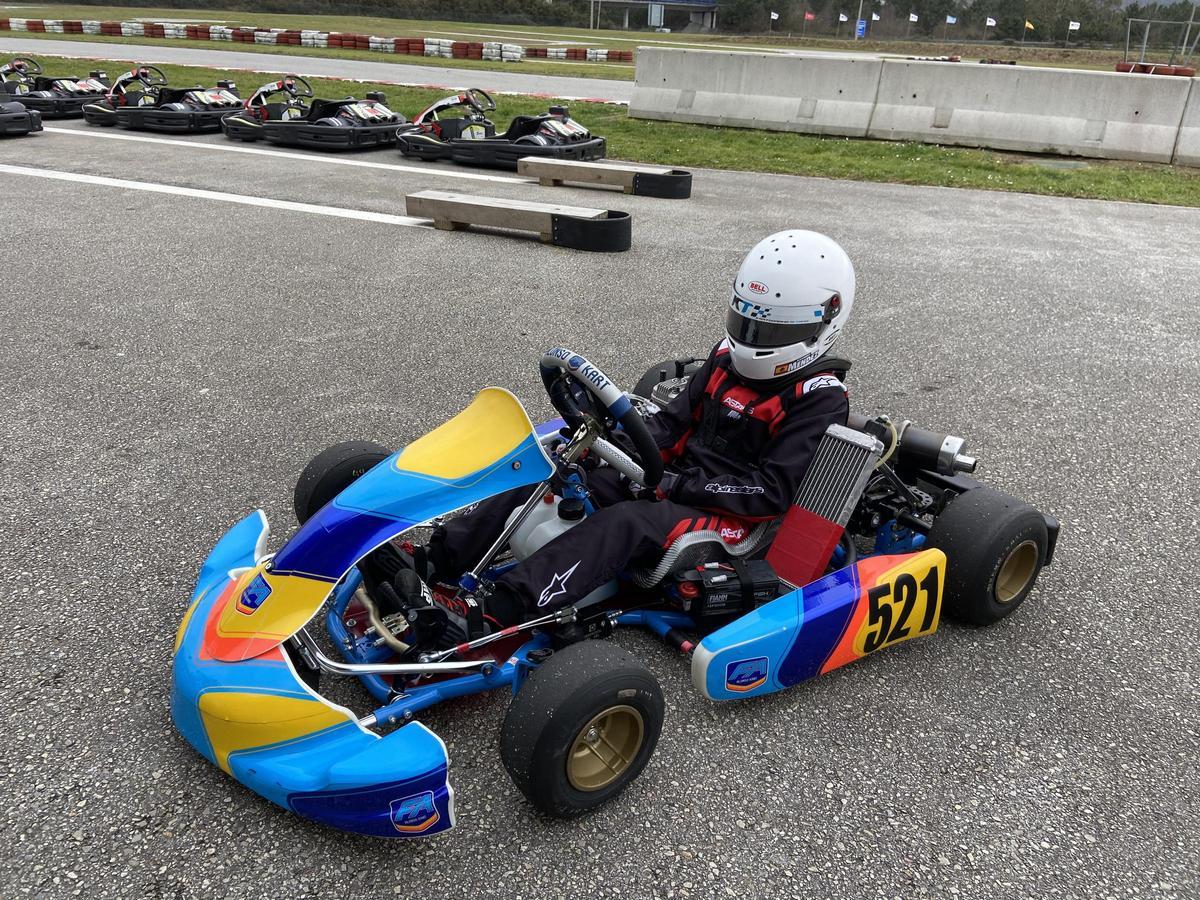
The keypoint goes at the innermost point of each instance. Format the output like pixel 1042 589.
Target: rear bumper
pixel 313 137
pixel 259 722
pixel 15 119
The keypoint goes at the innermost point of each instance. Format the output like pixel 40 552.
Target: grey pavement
pixel 331 67
pixel 170 363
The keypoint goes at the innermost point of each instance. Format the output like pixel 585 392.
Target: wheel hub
pixel 1016 572
pixel 605 747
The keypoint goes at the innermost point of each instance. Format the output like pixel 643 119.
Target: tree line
pixel 1101 21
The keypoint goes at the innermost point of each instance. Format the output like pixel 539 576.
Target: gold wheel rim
pixel 605 747
pixel 1016 572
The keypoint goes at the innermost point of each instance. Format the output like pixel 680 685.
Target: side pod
pixel 877 602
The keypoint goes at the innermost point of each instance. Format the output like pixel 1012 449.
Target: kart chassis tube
pixel 511 673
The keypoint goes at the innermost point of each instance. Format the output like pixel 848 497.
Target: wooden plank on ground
pixel 553 172
pixel 450 211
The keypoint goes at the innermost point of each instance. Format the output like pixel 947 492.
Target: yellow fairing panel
pixel 493 425
pixel 239 721
pixel 293 600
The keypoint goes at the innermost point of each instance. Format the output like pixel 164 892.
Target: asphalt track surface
pixel 169 362
pixel 512 82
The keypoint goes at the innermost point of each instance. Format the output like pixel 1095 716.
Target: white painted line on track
pixel 198 194
pixel 304 157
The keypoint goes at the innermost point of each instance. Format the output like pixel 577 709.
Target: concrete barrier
pixel 1187 145
pixel 1072 113
pixel 756 90
pixel 1106 115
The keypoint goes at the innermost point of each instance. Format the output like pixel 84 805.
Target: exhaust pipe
pixel 922 448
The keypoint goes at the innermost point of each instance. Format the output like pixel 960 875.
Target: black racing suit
pixel 735 453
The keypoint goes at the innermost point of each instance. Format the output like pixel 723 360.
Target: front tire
pixel 995 547
pixel 332 471
pixel 582 728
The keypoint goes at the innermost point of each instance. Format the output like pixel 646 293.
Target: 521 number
pixel 890 606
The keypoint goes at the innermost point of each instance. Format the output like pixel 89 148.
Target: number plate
pixel 900 603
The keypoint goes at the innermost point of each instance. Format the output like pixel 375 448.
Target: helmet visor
pixel 763 333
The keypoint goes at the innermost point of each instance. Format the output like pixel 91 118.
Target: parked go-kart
pixel 898 532
pixel 141 99
pixel 16 120
pixel 468 136
pixel 54 97
pixel 346 124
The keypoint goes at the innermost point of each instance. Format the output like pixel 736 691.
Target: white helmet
pixel 791 299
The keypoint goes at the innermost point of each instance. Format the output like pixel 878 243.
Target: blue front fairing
pixel 236 696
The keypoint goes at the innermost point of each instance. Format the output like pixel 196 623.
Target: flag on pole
pixel 951 20
pixel 842 17
pixel 774 15
pixel 913 17
pixel 874 17
pixel 1028 25
pixel 809 16
pixel 991 23
pixel 1072 26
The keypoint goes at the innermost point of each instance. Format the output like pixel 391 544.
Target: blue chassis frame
pixel 890 537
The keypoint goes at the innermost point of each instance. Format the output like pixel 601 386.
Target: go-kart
pixel 141 99
pixel 16 120
pixel 887 533
pixel 54 97
pixel 278 113
pixel 468 136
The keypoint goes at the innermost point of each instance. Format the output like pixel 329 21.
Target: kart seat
pixel 323 109
pixel 275 111
pixel 173 95
pixel 521 126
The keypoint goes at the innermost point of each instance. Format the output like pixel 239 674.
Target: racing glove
pixel 641 492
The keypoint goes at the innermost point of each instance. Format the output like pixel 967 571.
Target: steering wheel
pixel 32 67
pixel 151 76
pixel 573 383
pixel 294 79
pixel 481 101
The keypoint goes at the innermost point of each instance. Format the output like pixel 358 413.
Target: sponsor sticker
pixel 414 814
pixel 822 381
pixel 253 595
pixel 713 488
pixel 758 287
pixel 746 674
pixel 750 309
pixel 558 585
pixel 795 365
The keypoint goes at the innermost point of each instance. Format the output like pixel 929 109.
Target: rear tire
pixel 582 728
pixel 333 470
pixel 995 546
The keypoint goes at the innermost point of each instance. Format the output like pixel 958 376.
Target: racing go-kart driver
pixel 736 442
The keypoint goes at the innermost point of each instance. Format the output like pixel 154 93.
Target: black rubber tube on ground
pixel 611 234
pixel 673 185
